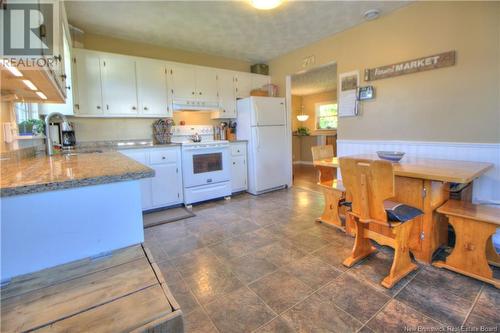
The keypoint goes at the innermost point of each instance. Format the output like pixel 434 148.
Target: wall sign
pixel 411 66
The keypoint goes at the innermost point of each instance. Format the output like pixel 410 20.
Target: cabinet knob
pixel 234 163
pixel 98 107
pixel 200 92
pixel 238 150
pixel 145 108
pixel 163 157
pixel 134 108
pixel 58 58
pixel 192 93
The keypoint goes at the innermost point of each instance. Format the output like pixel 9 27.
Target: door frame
pixel 289 113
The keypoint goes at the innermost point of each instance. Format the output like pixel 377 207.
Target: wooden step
pixel 122 292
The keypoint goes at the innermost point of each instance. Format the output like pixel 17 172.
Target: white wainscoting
pixel 486 188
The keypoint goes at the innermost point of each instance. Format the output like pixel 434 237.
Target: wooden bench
pixel 371 185
pixel 473 225
pixel 122 292
pixel 334 193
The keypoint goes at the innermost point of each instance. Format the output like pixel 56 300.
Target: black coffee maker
pixel 68 138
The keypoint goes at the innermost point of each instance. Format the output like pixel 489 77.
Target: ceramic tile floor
pixel 262 264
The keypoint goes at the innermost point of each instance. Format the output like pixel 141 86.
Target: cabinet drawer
pixel 137 155
pixel 163 156
pixel 238 149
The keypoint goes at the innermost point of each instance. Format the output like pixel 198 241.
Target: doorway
pixel 312 96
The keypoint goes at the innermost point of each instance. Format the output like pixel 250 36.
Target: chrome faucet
pixel 47 130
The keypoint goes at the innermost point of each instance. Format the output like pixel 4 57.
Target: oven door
pixel 201 166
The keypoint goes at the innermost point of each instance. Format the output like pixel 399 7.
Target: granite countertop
pixel 50 173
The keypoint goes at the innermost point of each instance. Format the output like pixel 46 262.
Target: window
pixel 27 117
pixel 326 116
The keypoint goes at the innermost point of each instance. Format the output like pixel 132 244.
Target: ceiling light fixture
pixel 371 14
pixel 266 4
pixel 30 85
pixel 302 116
pixel 41 95
pixel 11 68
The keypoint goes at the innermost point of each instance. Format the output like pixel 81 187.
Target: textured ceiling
pixel 227 28
pixel 315 81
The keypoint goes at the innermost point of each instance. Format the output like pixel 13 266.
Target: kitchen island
pixel 57 209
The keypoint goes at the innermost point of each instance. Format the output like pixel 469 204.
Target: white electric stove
pixel 206 166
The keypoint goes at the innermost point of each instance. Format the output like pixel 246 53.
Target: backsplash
pixel 97 129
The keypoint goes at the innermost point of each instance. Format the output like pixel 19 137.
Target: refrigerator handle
pixel 257 138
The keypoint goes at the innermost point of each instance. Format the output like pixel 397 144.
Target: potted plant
pixel 31 127
pixel 303 131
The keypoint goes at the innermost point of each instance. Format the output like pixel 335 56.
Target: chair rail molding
pixel 486 188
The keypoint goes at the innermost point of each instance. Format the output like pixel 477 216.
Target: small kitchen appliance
pixel 68 138
pixel 62 134
pixel 206 170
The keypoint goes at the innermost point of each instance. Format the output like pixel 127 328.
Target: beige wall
pixel 94 129
pixel 309 102
pixel 296 108
pixel 122 46
pixel 459 103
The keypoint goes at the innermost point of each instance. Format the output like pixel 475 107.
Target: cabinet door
pixel 67 107
pixel 165 184
pixel 238 173
pixel 227 96
pixel 119 88
pixel 87 81
pixel 152 88
pixel 183 81
pixel 258 81
pixel 206 84
pixel 142 157
pixel 243 85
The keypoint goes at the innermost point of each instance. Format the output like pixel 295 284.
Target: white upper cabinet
pixel 183 81
pixel 243 84
pixel 193 83
pixel 152 88
pixel 206 84
pixel 227 95
pixel 88 94
pixel 258 81
pixel 119 86
pixel 113 85
pixel 67 107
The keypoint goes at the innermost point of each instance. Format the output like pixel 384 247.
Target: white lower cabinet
pixel 165 188
pixel 239 168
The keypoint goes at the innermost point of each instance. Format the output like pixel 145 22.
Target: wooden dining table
pixel 423 183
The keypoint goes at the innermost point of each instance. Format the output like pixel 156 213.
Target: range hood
pixel 194 105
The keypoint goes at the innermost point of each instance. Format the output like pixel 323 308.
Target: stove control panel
pixel 192 130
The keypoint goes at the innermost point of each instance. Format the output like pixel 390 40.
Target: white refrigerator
pixel 262 122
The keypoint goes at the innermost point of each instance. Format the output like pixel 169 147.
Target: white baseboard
pixel 486 188
pixel 303 162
